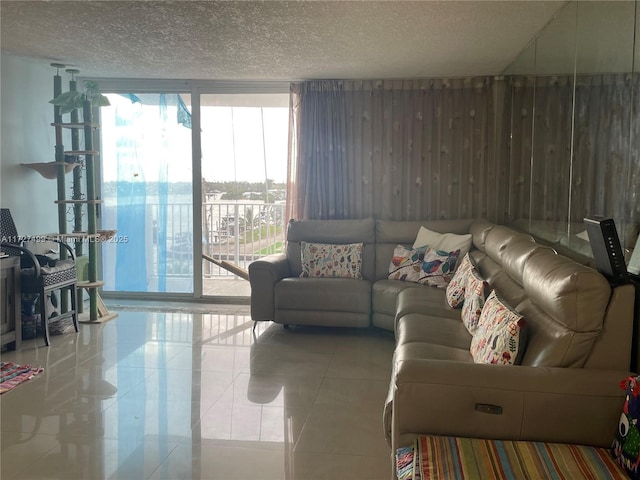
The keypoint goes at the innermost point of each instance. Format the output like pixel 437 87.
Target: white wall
pixel 27 137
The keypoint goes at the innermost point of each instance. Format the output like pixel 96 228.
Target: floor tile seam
pixel 327 451
pixel 320 407
pixel 320 450
pixel 162 462
pixel 314 403
pixel 146 341
pixel 308 413
pixel 161 459
pixel 51 435
pixel 169 403
pixel 48 414
pixel 207 410
pixel 281 474
pixel 347 376
pixel 187 369
pixel 304 425
pixel 340 454
pixel 234 377
pixel 382 381
pixel 139 437
pixel 360 410
pixel 364 412
pixel 122 393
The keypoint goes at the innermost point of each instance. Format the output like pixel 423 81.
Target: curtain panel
pixel 395 149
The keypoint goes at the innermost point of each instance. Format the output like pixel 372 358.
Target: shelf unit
pixel 83 201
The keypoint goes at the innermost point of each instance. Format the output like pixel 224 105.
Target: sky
pixel 233 145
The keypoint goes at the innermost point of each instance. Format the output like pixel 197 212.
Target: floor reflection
pixel 153 395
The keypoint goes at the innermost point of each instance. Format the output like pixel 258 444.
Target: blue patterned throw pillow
pixel 406 263
pixel 438 267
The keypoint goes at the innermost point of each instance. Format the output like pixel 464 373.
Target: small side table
pixel 10 315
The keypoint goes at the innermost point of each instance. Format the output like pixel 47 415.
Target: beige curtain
pixel 317 159
pixel 395 149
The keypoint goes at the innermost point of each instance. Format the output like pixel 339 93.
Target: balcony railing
pixel 241 233
pixel 237 232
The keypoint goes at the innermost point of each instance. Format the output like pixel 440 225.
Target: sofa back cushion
pixel 503 265
pixel 572 294
pixel 332 232
pixel 564 303
pixel 479 230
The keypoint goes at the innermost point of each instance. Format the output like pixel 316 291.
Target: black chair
pixel 40 274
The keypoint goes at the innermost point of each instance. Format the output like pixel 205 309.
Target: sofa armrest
pixel 566 405
pixel 263 276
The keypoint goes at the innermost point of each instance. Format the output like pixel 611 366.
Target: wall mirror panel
pixel 574 125
pixel 553 106
pixel 520 95
pixel 602 118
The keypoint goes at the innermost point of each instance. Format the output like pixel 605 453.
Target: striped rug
pixel 453 458
pixel 12 375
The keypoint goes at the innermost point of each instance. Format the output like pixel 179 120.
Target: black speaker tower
pixel 605 245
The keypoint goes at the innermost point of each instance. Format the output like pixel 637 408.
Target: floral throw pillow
pixel 406 264
pixel 437 267
pixel 455 288
pixel 475 293
pixel 331 260
pixel 500 336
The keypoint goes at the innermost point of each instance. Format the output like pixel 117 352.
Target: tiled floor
pixel 226 286
pixel 175 395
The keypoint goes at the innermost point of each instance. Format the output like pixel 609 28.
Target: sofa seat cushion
pixel 420 328
pixel 430 351
pixel 427 300
pixel 324 294
pixel 385 294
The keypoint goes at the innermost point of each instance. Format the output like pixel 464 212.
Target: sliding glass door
pixel 147 193
pixel 150 143
pixel 244 164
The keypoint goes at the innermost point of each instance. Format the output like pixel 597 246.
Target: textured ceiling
pixel 273 40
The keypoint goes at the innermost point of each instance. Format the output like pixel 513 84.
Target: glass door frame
pixel 195 89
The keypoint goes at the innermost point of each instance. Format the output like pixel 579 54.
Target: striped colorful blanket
pixel 12 375
pixel 453 458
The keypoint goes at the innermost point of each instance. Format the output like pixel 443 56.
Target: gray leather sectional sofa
pixel 578 347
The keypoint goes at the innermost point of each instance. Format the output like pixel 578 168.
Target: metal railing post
pixel 236 247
